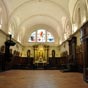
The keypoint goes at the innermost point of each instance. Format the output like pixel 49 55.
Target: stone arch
pixel 79 14
pixel 3 16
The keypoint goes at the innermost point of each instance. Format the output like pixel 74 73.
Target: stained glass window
pixel 50 37
pixel 41 36
pixel 33 37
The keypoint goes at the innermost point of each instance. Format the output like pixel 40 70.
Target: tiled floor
pixel 41 79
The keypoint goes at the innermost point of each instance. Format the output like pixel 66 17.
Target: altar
pixel 40 64
pixel 40 56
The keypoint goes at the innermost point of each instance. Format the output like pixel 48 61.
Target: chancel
pixel 43 40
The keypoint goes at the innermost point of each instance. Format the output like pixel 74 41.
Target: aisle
pixel 41 79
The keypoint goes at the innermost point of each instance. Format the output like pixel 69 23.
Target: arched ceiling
pixel 48 14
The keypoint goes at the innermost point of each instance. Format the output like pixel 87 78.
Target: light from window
pixel 33 37
pixel 50 37
pixel 41 36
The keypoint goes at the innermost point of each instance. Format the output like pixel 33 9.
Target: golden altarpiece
pixel 41 54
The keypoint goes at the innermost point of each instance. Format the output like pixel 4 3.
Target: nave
pixel 41 79
pixel 40 37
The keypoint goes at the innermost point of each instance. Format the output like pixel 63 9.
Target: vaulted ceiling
pixel 26 16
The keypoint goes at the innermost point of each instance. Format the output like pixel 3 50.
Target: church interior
pixel 43 43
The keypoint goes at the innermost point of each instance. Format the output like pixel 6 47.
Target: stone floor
pixel 41 79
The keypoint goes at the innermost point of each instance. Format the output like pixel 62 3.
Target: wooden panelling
pixel 2 62
pixel 79 57
pixel 84 38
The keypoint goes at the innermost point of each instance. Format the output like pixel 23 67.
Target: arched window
pixel 41 35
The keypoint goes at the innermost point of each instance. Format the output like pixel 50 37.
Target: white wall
pixel 17 47
pixel 2 38
pixel 65 47
pixel 24 51
pixel 57 52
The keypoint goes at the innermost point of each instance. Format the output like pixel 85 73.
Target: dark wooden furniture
pixel 84 39
pixel 79 56
pixel 22 62
pixel 2 62
pixel 72 61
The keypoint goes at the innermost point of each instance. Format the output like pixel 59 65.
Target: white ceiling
pixel 25 16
